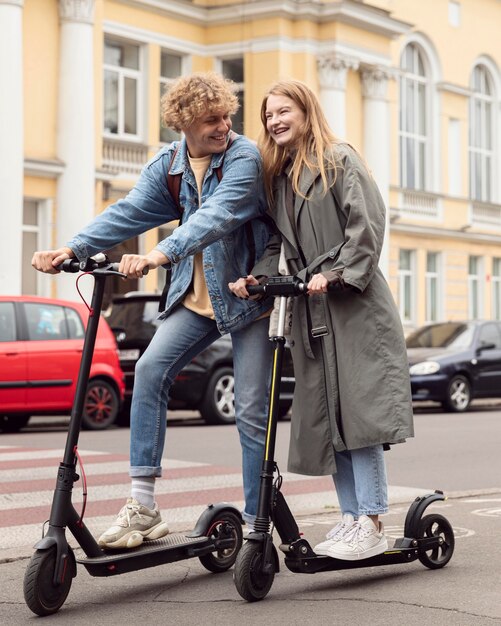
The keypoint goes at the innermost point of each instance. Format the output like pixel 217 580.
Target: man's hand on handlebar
pixel 239 288
pixel 133 265
pixel 47 260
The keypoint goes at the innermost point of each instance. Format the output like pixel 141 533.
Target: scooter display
pixel 215 540
pixel 429 538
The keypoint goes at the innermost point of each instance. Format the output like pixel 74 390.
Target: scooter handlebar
pixel 73 266
pixel 279 286
pixel 283 286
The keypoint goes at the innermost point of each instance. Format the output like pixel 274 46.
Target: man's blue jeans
pixel 360 481
pixel 179 338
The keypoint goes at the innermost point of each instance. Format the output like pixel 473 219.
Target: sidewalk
pixel 464 593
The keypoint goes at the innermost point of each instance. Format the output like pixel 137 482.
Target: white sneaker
pixel 362 541
pixel 335 534
pixel 134 524
pixel 248 529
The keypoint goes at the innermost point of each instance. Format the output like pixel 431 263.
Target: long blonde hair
pixel 315 147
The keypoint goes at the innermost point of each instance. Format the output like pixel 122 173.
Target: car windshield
pixel 451 335
pixel 138 318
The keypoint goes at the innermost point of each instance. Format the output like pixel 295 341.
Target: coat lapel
pixel 306 180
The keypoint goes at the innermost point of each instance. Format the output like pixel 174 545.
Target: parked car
pixel 41 342
pixel 454 362
pixel 206 384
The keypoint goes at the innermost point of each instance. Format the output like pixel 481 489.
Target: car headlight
pixel 424 368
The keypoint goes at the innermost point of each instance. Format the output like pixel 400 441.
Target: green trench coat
pixel 352 385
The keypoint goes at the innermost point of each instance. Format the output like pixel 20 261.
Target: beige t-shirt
pixel 197 299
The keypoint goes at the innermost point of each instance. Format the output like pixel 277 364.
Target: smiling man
pixel 212 181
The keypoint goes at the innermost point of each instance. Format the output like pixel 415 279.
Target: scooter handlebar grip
pixel 254 290
pixel 115 266
pixel 71 266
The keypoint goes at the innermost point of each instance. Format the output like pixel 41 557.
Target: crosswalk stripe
pixel 26 488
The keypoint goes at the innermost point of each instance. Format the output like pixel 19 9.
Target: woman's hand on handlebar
pixel 318 285
pixel 133 264
pixel 239 288
pixel 47 260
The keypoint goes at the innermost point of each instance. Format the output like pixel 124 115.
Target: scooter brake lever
pixel 106 271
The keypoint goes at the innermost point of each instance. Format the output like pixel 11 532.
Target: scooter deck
pixel 320 563
pixel 168 549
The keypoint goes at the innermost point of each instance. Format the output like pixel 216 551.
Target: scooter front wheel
pixel 223 526
pixel 251 581
pixel 436 525
pixel 40 593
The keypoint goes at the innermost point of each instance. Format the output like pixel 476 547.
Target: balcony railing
pixel 419 204
pixel 485 214
pixel 124 158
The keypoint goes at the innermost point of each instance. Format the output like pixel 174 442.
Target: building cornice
pixel 16 3
pixel 262 44
pixel 440 233
pixel 347 11
pixel 455 89
pixel 47 168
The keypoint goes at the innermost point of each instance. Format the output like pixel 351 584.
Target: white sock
pixel 143 490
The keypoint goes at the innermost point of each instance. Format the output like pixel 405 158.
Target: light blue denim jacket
pixel 216 227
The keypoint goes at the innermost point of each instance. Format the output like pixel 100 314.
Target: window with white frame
pixel 482 107
pixel 496 288
pixel 432 287
pixel 170 69
pixel 406 285
pixel 122 88
pixel 234 70
pixel 475 308
pixel 31 242
pixel 413 119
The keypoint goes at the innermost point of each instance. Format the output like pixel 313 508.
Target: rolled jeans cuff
pixel 144 470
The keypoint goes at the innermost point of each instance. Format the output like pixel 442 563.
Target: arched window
pixel 413 122
pixel 481 136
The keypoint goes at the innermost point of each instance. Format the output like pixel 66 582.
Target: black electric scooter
pixel 215 540
pixel 429 539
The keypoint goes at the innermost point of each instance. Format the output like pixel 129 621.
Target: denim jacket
pixel 216 227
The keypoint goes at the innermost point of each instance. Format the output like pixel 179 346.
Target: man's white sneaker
pixel 362 541
pixel 335 534
pixel 134 524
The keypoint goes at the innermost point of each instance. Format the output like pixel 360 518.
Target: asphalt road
pixel 453 452
pixel 456 453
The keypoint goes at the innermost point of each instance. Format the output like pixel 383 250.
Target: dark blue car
pixel 455 362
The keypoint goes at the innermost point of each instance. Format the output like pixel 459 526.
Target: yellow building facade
pixel 415 86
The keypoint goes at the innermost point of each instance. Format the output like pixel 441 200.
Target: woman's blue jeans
pixel 360 481
pixel 179 338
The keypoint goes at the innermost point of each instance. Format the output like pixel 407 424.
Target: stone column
pixel 76 126
pixel 376 145
pixel 332 71
pixel 11 145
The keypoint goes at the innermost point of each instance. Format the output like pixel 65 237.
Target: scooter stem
pixel 85 364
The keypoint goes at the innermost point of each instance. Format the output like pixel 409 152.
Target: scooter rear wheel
pixel 223 525
pixel 436 525
pixel 40 593
pixel 251 582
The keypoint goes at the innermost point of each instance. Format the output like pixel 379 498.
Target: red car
pixel 41 342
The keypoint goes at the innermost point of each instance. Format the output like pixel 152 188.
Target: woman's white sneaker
pixel 334 535
pixel 362 541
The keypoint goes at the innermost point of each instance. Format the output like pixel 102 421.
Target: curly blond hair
pixel 191 97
